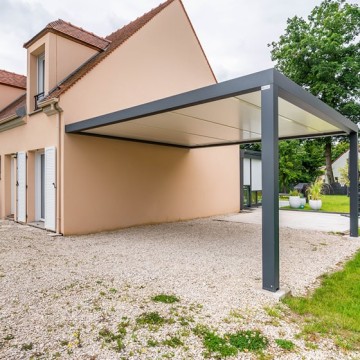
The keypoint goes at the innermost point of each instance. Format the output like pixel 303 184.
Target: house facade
pixel 74 184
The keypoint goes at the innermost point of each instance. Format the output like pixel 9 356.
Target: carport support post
pixel 270 187
pixel 354 181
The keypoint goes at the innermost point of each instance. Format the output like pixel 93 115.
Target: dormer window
pixel 40 79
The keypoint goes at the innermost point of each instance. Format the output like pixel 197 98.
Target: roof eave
pixel 12 85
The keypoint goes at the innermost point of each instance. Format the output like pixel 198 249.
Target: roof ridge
pixel 74 26
pixel 11 72
pixel 154 10
pixel 73 32
pixel 118 37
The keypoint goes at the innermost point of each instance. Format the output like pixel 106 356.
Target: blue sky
pixel 234 33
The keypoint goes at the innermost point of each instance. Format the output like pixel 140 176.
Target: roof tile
pixel 12 79
pixel 72 31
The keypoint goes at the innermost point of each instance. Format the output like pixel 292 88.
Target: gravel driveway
pixel 58 295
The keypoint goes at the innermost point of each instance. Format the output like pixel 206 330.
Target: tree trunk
pixel 329 172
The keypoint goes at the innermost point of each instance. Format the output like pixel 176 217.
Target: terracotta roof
pixel 117 38
pixel 62 27
pixel 12 79
pixel 12 107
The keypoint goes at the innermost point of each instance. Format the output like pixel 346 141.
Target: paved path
pixel 296 220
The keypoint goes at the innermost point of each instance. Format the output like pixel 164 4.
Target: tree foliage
pixel 299 161
pixel 322 54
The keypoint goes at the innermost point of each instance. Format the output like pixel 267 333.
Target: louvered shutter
pixel 50 188
pixel 21 186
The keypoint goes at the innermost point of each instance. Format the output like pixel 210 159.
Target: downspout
pixel 58 172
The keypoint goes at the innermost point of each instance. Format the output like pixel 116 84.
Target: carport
pixel 264 106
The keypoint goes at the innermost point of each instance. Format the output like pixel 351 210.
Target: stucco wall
pixel 69 55
pixel 109 184
pixel 8 94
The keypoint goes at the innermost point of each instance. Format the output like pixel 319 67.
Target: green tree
pixel 322 54
pixel 299 161
pixel 290 164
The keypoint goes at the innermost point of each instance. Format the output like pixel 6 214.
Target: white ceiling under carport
pixel 235 119
pixel 220 114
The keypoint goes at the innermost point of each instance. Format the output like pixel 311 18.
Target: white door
pixel 40 186
pixel 21 186
pixel 50 188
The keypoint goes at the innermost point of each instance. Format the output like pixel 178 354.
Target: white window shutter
pixel 50 188
pixel 21 186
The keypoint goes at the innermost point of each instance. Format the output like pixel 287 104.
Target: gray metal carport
pixel 264 106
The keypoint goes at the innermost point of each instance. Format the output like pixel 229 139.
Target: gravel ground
pixel 81 297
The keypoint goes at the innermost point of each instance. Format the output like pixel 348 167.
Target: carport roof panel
pixel 220 114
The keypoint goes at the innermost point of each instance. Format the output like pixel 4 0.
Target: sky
pixel 233 33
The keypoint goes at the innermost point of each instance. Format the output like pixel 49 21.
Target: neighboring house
pixel 12 86
pixel 81 184
pixel 338 164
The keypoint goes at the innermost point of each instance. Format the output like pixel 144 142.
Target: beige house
pixel 134 129
pixel 74 184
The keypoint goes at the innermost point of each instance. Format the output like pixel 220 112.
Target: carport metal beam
pixel 354 183
pixel 270 187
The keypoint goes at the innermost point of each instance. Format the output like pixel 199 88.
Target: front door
pixel 40 186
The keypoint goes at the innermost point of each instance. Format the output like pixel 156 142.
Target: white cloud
pixel 234 33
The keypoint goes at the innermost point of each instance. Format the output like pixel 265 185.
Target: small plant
pixel 112 290
pixel 200 330
pixel 152 343
pixel 9 337
pixel 248 340
pixel 152 318
pixel 109 337
pixel 27 347
pixel 311 345
pixel 236 314
pixel 285 344
pixel 314 190
pixel 185 320
pixel 230 344
pixel 166 299
pixel 294 193
pixel 173 342
pixel 216 344
pixel 273 312
pixel 77 335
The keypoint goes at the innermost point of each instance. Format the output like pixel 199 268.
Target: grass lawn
pixel 334 308
pixel 330 203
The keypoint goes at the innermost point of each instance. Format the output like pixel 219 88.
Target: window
pixel 41 76
pixel 40 79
